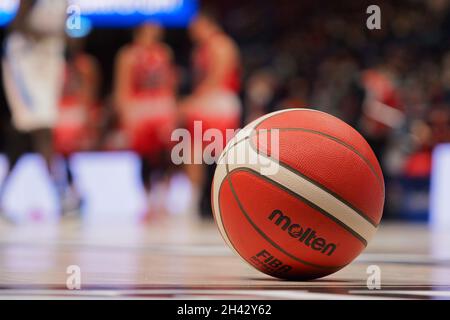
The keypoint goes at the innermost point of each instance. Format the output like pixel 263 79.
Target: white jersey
pixel 48 16
pixel 33 69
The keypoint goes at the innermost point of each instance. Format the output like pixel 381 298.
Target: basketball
pixel 298 194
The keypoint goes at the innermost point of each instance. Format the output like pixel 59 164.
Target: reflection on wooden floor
pixel 176 259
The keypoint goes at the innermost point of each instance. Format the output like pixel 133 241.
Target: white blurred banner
pixel 109 184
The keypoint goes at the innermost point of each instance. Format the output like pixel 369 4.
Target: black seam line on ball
pixel 329 215
pixel 274 244
pixel 221 219
pixel 247 137
pixel 307 202
pixel 317 184
pixel 233 145
pixel 226 233
pixel 339 141
pixel 321 133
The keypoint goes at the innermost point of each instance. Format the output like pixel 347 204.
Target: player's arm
pixel 19 22
pixel 223 55
pixel 91 81
pixel 173 75
pixel 21 25
pixel 122 80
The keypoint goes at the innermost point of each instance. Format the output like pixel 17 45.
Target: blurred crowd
pixel 392 84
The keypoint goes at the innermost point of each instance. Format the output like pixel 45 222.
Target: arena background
pixel 315 54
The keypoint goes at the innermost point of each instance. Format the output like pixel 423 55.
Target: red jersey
pixel 152 72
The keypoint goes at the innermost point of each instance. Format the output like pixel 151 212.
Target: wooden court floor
pixel 178 258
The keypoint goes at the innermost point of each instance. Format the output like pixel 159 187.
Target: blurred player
pixel 383 108
pixel 145 97
pixel 75 129
pixel 32 68
pixel 214 100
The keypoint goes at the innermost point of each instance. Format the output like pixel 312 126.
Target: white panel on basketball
pixel 247 130
pixel 294 182
pixel 219 177
pixel 221 174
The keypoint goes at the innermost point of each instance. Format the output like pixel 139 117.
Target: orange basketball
pixel 298 194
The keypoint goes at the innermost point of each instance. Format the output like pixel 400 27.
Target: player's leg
pixel 205 201
pixel 17 143
pixel 42 143
pixel 223 115
pixel 146 171
pixel 70 197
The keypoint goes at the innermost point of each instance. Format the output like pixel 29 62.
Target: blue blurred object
pixel 414 204
pixel 8 9
pixel 83 28
pixel 120 13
